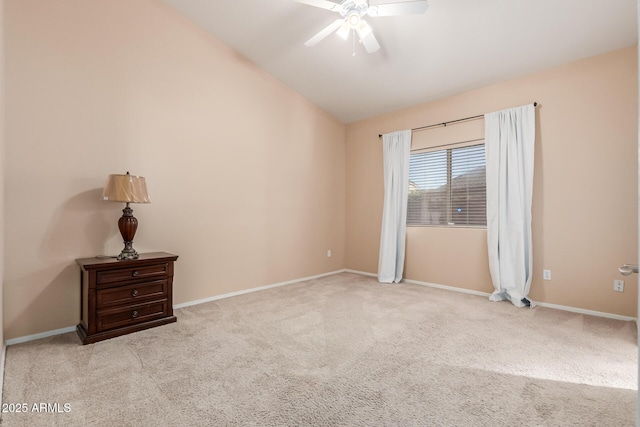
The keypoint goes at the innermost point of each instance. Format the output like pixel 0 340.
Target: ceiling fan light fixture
pixel 344 30
pixel 364 29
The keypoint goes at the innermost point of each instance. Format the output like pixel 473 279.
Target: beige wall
pixel 247 178
pixel 585 218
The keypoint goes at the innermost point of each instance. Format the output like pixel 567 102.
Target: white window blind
pixel 448 187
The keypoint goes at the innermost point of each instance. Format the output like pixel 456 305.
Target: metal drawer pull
pixel 134 293
pixel 134 314
pixel 135 274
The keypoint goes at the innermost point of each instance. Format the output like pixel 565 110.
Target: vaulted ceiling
pixel 457 45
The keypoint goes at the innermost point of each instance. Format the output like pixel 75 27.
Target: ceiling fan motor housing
pixel 354 7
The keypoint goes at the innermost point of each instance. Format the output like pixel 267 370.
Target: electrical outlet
pixel 329 253
pixel 546 274
pixel 618 285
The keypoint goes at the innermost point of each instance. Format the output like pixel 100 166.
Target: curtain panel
pixel 396 150
pixel 509 143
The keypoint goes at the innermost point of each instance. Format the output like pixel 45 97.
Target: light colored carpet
pixel 338 351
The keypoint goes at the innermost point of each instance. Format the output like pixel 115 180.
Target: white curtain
pixel 396 147
pixel 509 143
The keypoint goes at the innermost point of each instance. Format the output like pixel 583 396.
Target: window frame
pixel 449 199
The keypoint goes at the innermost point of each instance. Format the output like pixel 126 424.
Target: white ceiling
pixel 456 46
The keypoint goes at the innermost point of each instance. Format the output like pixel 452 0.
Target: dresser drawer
pixel 132 294
pixel 131 314
pixel 108 277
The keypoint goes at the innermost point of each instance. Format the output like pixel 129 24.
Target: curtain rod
pixel 535 104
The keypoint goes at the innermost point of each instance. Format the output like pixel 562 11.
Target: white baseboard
pixel 486 294
pixel 46 334
pixel 260 288
pixel 40 335
pixel 431 285
pixel 541 304
pixel 363 273
pixel 448 288
pixel 33 337
pixel 584 311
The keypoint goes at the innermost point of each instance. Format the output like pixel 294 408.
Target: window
pixel 448 187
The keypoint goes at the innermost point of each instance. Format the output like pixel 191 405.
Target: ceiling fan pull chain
pixel 354 43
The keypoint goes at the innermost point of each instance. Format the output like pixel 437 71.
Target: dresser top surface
pixel 98 262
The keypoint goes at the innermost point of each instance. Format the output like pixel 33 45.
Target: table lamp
pixel 126 189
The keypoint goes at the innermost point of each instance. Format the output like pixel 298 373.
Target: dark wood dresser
pixel 120 297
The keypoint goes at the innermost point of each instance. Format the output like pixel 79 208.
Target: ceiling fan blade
pixel 324 32
pixel 369 41
pixel 323 4
pixel 393 9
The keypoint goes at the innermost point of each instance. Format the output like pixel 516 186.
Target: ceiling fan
pixel 353 13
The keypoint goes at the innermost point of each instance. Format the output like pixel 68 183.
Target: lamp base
pixel 128 224
pixel 128 252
